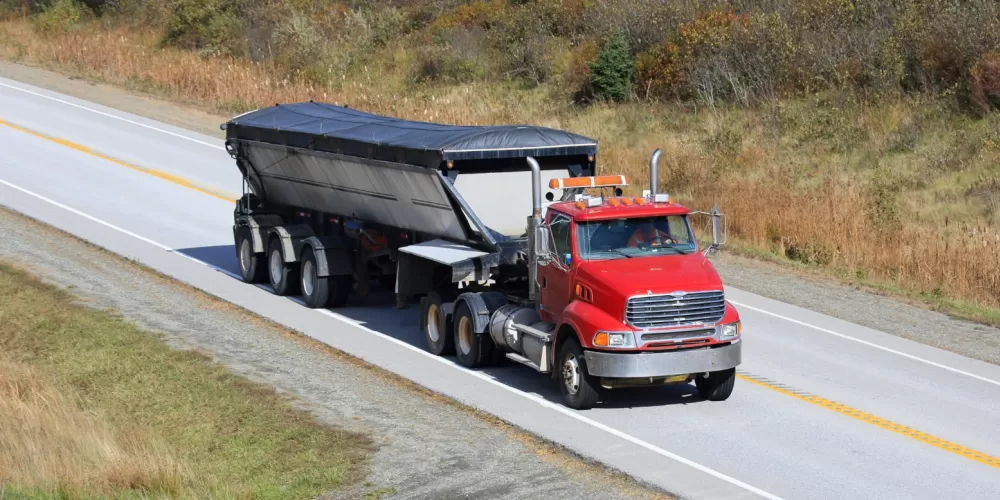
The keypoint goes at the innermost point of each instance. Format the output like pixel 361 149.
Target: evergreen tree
pixel 611 73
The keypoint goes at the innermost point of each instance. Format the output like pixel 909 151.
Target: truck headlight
pixel 732 330
pixel 614 340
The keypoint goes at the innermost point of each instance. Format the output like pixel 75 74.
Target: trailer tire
pixel 717 386
pixel 315 288
pixel 436 326
pixel 252 266
pixel 283 276
pixel 576 384
pixel 473 349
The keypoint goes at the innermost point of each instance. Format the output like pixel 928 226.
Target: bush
pixel 610 76
pixel 943 40
pixel 457 57
pixel 985 84
pixel 644 23
pixel 207 26
pixel 60 16
pixel 672 68
pixel 298 43
pixel 520 46
pixel 481 13
pixel 577 74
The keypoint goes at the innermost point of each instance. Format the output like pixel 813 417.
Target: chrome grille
pixel 653 311
pixel 683 335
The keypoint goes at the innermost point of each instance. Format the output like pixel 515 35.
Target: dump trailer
pixel 513 246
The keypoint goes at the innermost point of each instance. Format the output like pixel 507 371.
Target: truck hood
pixel 613 281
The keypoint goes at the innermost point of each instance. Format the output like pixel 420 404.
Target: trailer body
pixel 489 227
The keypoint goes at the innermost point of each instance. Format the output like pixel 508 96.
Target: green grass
pixel 223 435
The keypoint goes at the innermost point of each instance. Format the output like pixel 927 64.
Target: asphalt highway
pixel 823 409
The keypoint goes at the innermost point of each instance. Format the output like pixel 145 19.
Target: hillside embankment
pixel 854 138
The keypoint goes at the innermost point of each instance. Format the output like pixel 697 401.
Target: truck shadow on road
pixel 377 311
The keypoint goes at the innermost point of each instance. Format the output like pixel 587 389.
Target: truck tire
pixel 435 326
pixel 283 276
pixel 252 266
pixel 717 386
pixel 576 384
pixel 315 289
pixel 473 349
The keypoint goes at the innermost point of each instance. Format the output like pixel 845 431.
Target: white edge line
pixel 536 399
pixel 870 344
pixel 109 115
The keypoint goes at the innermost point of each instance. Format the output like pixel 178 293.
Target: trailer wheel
pixel 473 350
pixel 252 267
pixel 315 289
pixel 576 384
pixel 717 386
pixel 436 326
pixel 283 276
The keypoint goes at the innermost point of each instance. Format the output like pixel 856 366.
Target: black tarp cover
pixel 337 129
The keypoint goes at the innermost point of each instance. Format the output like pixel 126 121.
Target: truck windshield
pixel 634 237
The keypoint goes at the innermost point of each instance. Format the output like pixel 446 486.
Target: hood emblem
pixel 677 294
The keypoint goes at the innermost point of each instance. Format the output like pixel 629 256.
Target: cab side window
pixel 559 225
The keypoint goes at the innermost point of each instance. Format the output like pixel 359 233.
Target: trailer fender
pixel 482 305
pixel 330 260
pixel 259 224
pixel 291 238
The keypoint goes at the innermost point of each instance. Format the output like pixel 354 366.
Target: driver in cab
pixel 648 235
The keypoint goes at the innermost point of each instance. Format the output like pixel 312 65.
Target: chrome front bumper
pixel 661 364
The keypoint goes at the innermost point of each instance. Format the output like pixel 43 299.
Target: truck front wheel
pixel 717 386
pixel 577 385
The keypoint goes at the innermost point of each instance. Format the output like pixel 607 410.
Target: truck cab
pixel 633 299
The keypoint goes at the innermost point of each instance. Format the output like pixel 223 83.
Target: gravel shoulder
pixel 823 294
pixel 427 446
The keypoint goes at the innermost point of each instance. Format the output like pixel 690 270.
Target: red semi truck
pixel 598 291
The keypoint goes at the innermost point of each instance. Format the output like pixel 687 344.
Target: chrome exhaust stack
pixel 654 172
pixel 534 226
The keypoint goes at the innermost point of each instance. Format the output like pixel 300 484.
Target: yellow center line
pixel 760 381
pixel 180 181
pixel 873 420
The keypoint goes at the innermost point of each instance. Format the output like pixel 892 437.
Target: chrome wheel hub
pixel 308 278
pixel 245 255
pixel 571 374
pixel 465 335
pixel 275 266
pixel 432 323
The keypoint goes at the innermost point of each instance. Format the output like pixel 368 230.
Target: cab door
pixel 555 278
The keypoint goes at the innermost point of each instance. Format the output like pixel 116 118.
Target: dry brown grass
pixel 877 190
pixel 48 442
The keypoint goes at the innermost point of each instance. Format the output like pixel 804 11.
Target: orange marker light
pixel 585 182
pixel 613 202
pixel 626 201
pixel 601 339
pixel 580 205
pixel 638 200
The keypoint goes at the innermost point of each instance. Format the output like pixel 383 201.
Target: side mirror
pixel 718 227
pixel 542 239
pixel 720 230
pixel 543 247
